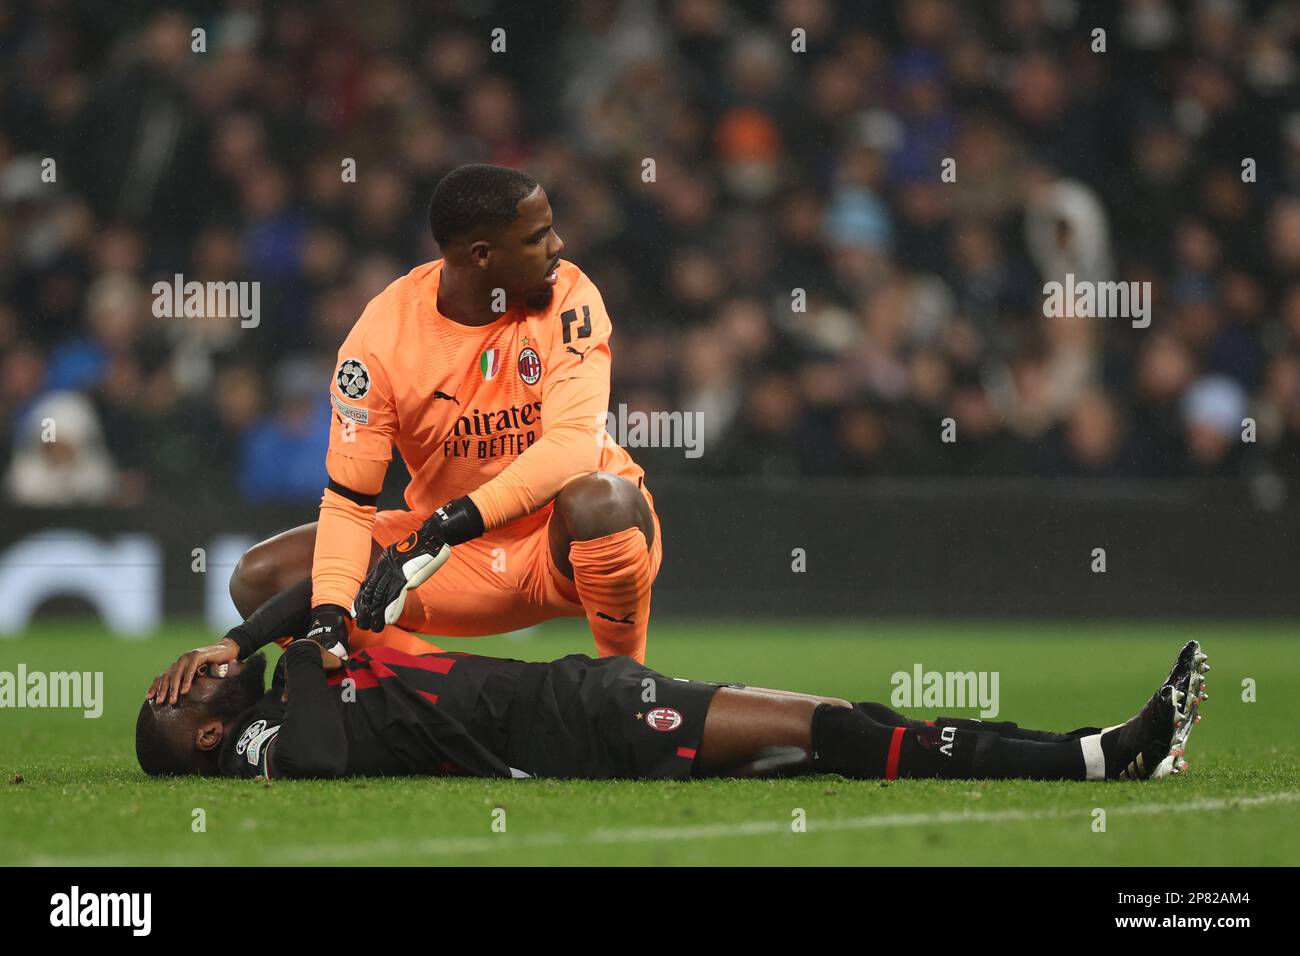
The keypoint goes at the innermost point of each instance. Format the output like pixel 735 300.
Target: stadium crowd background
pixel 775 171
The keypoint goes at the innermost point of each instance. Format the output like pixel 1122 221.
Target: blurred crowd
pixel 794 264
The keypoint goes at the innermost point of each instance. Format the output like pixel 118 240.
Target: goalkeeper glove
pixel 329 629
pixel 404 566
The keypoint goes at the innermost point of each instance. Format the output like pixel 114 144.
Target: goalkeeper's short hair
pixel 476 196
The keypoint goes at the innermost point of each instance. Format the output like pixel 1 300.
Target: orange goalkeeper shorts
pixel 500 582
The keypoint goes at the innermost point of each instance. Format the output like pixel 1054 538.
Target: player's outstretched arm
pixel 286 615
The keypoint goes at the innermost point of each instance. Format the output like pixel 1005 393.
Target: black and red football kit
pixel 389 713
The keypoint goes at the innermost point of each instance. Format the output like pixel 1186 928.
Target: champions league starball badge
pixel 353 378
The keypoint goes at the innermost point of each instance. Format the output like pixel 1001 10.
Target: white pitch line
pixel 389 849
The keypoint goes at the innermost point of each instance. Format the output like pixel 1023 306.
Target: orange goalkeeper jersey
pixel 507 413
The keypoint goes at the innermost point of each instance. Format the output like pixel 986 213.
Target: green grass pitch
pixel 70 791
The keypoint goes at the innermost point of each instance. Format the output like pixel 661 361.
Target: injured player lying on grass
pixel 384 712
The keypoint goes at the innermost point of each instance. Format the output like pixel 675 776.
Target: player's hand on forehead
pixel 176 681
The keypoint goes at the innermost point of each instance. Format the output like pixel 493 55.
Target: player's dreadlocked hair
pixel 476 196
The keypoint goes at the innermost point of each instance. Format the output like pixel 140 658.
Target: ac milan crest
pixel 530 367
pixel 663 718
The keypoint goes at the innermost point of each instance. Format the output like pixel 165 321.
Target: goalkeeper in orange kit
pixel 489 371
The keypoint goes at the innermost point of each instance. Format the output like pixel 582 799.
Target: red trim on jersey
pixel 372 664
pixel 895 746
pixel 687 752
pixel 391 657
pixel 363 677
pixel 431 698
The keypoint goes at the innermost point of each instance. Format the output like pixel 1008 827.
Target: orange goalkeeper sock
pixel 612 578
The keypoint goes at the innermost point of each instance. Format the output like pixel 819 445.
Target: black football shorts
pixel 588 718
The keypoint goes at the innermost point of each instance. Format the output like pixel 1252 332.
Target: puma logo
pixel 581 355
pixel 445 397
pixel 626 620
